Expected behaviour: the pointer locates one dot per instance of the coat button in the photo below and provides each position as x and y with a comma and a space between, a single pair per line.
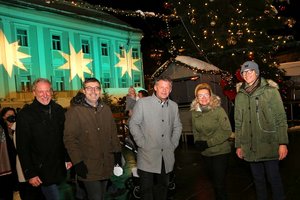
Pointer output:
162, 135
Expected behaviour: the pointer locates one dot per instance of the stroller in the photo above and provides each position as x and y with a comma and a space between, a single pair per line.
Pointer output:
132, 183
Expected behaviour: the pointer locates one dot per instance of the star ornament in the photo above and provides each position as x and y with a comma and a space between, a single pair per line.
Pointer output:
128, 63
76, 63
10, 56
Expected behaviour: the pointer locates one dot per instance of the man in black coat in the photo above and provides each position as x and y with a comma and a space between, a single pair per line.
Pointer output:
39, 139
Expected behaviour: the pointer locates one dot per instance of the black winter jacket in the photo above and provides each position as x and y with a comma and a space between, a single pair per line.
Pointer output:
40, 142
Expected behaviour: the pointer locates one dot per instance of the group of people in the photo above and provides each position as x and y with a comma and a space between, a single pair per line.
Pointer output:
49, 141
260, 134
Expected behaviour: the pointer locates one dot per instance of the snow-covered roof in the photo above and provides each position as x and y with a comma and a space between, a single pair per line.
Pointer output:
193, 62
291, 68
68, 8
185, 66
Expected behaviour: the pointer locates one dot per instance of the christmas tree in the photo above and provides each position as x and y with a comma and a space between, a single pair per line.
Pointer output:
227, 33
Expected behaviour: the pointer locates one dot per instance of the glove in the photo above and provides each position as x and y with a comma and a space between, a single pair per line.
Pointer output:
201, 145
81, 169
118, 158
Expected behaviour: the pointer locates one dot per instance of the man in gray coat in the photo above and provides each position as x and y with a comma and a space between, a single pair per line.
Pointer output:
156, 129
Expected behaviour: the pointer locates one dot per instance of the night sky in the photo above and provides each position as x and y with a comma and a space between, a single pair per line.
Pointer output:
151, 28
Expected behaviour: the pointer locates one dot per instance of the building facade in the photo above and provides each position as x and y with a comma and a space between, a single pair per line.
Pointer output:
65, 43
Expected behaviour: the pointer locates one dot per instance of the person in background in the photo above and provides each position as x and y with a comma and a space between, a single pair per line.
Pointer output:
142, 93
39, 141
261, 130
156, 128
91, 139
8, 174
131, 98
26, 191
8, 117
212, 129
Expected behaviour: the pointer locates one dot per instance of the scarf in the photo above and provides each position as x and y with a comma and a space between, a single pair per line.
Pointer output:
251, 88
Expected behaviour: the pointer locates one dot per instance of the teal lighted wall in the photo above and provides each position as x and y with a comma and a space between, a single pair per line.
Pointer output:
65, 49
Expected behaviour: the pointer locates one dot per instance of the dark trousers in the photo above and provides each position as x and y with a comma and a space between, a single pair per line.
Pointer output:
6, 187
28, 192
95, 189
269, 169
154, 186
216, 167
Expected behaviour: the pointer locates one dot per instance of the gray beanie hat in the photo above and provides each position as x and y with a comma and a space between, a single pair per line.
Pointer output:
250, 65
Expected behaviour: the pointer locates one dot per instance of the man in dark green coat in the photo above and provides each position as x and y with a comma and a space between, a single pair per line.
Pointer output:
261, 129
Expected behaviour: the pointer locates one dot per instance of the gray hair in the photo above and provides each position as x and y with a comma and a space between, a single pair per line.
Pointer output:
163, 78
39, 80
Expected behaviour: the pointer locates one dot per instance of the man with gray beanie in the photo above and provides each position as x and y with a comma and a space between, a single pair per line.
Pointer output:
250, 65
261, 130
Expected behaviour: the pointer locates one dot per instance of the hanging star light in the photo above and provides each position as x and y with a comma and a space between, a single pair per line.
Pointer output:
127, 63
10, 55
76, 63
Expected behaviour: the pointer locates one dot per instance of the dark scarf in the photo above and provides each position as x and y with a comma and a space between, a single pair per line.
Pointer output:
251, 88
45, 109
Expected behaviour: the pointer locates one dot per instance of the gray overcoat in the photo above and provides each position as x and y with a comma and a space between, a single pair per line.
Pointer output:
156, 129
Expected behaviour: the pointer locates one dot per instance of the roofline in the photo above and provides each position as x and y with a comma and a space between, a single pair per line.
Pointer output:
39, 7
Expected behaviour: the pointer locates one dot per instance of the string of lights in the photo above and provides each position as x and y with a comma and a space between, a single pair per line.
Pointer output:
127, 13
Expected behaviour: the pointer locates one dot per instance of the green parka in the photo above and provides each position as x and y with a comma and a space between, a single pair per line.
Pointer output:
260, 122
212, 126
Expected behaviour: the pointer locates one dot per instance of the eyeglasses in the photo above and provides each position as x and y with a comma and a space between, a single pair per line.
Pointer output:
203, 95
91, 89
249, 71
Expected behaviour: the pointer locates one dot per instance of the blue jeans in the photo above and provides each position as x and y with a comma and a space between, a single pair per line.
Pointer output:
95, 189
51, 192
270, 169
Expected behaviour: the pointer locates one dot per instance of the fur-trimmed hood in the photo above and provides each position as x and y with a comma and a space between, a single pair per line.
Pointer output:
268, 81
215, 102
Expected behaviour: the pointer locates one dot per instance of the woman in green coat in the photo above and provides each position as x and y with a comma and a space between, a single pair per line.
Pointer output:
211, 128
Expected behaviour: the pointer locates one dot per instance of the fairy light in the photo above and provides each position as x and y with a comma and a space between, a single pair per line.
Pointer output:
128, 13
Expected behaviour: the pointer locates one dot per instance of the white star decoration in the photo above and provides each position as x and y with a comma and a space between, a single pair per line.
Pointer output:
10, 56
127, 64
76, 63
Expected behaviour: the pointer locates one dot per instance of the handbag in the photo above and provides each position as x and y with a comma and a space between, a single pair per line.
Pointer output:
5, 167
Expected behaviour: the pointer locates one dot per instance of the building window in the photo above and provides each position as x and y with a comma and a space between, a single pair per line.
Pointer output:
106, 80
122, 52
137, 80
25, 83
104, 49
22, 37
59, 84
135, 53
85, 46
56, 42
124, 82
